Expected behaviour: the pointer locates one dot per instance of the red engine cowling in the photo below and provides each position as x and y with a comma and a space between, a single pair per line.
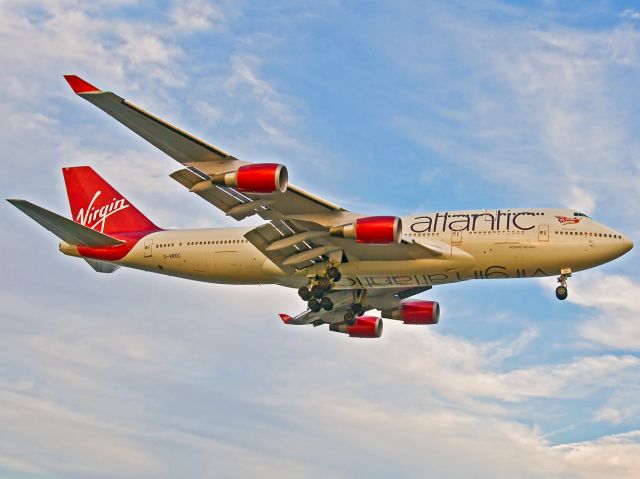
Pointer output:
415, 312
257, 178
365, 327
372, 229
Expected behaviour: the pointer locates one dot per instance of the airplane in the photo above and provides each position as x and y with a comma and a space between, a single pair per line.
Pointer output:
342, 263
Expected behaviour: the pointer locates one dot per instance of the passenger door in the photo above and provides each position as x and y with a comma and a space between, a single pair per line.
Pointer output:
543, 232
148, 248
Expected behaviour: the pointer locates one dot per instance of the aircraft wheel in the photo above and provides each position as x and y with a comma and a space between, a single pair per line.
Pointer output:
350, 318
325, 284
314, 305
326, 303
333, 273
304, 293
562, 292
317, 291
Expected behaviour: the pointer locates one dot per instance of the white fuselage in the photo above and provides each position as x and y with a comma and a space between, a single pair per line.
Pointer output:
481, 244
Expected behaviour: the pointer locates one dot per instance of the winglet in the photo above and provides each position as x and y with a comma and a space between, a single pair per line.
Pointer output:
78, 85
286, 319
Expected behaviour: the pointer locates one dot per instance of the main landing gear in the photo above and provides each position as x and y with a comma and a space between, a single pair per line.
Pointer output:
561, 291
351, 316
315, 293
356, 309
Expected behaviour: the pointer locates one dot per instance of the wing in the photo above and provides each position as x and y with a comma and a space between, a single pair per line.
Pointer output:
201, 160
297, 235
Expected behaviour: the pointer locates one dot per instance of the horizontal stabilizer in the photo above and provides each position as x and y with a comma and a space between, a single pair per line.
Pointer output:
65, 229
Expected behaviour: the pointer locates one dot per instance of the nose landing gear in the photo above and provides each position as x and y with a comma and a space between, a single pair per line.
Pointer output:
561, 291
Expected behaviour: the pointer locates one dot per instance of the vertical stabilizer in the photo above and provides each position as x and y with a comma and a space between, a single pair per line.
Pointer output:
97, 205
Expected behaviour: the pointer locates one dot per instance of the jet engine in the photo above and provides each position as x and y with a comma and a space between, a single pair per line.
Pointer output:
415, 312
365, 327
371, 229
257, 178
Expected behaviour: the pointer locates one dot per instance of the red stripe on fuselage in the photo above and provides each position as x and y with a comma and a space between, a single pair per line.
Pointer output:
115, 253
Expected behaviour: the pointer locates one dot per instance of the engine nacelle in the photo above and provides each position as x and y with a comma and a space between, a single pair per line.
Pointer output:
365, 327
257, 178
415, 312
372, 229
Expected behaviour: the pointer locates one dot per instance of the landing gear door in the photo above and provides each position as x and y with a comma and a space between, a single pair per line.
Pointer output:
148, 248
543, 232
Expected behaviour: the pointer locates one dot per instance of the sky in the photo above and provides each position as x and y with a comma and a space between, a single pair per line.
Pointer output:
384, 108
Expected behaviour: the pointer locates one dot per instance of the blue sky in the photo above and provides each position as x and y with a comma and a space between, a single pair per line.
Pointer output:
384, 108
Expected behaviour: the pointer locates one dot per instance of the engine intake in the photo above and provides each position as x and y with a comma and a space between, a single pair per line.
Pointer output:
365, 327
257, 178
415, 312
371, 229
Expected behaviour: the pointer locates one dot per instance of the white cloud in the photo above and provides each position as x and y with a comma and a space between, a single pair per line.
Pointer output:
196, 15
615, 309
549, 114
611, 456
632, 14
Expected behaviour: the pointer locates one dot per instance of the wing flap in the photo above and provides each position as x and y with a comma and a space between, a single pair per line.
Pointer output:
67, 230
221, 197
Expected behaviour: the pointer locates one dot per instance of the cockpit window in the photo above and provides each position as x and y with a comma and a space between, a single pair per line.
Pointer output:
576, 213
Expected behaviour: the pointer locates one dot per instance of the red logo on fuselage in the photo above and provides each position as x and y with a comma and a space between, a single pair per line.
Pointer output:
94, 217
568, 220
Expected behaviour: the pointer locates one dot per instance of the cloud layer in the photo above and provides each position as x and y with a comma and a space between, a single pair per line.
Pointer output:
131, 375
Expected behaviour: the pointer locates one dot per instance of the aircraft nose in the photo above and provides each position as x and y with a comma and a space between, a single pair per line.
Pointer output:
627, 244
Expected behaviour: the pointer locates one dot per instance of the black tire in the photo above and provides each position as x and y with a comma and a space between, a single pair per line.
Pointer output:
326, 303
333, 273
317, 291
325, 284
314, 305
562, 293
350, 318
357, 308
304, 293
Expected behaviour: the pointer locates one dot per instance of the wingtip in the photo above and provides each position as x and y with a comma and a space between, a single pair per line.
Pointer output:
285, 318
78, 85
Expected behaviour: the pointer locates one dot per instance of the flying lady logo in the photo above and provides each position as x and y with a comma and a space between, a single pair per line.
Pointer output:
95, 218
568, 220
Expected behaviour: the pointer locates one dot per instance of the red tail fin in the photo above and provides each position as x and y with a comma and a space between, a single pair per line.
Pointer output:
97, 205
